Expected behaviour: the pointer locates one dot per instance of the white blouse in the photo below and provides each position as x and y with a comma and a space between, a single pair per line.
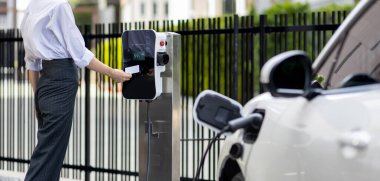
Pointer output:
49, 32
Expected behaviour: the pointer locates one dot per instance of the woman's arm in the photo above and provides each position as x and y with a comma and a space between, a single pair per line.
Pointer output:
115, 74
33, 78
96, 65
62, 24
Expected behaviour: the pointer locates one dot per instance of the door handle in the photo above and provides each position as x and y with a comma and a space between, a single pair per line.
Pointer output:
354, 142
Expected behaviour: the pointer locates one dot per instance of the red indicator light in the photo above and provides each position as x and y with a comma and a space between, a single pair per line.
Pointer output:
162, 43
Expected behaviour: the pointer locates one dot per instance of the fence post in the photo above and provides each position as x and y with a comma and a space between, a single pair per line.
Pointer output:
87, 32
263, 46
236, 56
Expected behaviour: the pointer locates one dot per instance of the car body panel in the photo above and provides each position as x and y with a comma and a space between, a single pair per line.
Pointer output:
299, 139
263, 101
305, 141
326, 121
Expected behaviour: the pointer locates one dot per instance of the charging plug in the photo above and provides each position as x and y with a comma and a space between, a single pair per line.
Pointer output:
243, 122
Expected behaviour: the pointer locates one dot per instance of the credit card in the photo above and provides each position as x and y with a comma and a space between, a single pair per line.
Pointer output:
133, 69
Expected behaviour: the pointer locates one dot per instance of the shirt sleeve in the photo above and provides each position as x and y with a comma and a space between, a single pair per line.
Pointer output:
32, 64
62, 23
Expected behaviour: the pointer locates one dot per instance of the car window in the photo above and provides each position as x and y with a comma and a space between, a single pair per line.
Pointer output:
359, 60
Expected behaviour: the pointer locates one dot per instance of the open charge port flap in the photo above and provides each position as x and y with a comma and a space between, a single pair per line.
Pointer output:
251, 133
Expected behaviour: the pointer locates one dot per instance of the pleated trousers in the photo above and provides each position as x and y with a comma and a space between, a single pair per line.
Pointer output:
54, 101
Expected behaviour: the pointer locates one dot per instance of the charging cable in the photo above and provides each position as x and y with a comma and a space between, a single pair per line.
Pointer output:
149, 137
233, 125
205, 153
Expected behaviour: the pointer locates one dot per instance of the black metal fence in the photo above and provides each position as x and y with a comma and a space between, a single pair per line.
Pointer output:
222, 54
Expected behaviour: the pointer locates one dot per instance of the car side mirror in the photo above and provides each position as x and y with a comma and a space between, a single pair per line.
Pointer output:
287, 74
214, 110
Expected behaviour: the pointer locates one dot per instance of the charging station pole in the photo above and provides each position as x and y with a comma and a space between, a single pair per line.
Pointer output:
165, 116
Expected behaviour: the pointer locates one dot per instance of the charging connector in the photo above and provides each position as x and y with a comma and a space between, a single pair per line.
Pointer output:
232, 126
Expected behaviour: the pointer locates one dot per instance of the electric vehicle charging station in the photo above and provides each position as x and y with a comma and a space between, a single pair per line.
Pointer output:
154, 60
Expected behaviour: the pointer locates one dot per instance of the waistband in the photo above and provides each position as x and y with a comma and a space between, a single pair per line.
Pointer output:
60, 59
59, 69
64, 62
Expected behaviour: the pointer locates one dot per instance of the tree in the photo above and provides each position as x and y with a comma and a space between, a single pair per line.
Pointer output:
287, 7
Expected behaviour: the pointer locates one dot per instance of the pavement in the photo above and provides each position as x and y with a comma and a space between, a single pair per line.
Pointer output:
17, 176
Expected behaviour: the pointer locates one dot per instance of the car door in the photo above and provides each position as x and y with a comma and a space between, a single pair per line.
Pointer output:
341, 126
335, 136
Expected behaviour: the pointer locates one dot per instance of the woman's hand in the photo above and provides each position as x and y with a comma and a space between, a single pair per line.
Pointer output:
120, 76
116, 74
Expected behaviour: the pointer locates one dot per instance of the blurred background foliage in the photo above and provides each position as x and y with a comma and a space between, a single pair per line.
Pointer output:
217, 67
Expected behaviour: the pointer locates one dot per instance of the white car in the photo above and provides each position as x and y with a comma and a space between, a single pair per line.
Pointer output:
325, 130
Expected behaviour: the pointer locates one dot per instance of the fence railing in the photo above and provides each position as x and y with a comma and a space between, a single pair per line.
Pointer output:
222, 54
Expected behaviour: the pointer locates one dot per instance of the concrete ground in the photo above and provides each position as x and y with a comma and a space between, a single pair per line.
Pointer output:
17, 176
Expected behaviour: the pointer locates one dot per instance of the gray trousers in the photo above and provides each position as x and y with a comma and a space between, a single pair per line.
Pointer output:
54, 99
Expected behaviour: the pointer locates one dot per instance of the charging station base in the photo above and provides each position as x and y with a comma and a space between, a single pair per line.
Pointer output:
165, 116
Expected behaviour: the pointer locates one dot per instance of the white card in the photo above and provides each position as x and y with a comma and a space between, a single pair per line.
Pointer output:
133, 69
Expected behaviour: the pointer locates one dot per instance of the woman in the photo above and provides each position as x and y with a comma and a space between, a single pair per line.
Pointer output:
54, 48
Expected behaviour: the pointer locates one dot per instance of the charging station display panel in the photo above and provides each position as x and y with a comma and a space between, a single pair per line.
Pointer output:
138, 58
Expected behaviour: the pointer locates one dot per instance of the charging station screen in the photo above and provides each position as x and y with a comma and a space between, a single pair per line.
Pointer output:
138, 54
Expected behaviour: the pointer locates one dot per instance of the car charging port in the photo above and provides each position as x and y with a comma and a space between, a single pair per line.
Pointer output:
251, 133
236, 151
